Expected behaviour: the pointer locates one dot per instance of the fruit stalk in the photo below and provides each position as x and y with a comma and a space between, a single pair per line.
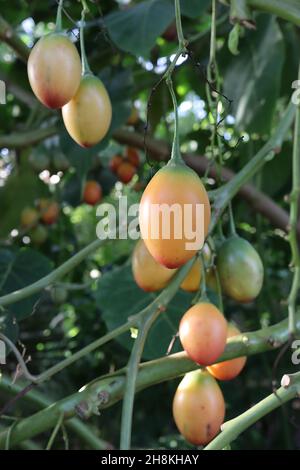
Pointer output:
294, 213
181, 40
146, 319
175, 154
58, 24
85, 65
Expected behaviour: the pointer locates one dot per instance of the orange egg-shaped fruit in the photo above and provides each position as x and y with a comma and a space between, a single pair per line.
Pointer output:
170, 215
54, 70
192, 281
148, 273
198, 407
228, 370
87, 116
92, 192
203, 333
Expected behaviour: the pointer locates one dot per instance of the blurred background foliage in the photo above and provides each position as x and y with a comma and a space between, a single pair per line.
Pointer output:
128, 45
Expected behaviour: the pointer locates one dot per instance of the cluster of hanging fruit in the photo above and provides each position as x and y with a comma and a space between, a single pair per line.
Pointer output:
59, 79
199, 406
125, 166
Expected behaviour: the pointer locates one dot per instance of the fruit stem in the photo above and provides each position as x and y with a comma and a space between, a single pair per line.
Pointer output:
201, 295
181, 40
219, 289
231, 220
58, 24
175, 154
85, 65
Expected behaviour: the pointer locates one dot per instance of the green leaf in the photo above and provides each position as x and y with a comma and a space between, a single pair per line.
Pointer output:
19, 269
252, 79
119, 297
193, 8
135, 29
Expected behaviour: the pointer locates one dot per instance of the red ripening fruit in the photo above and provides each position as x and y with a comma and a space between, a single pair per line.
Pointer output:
175, 185
133, 156
87, 116
198, 407
92, 192
54, 70
115, 162
49, 211
203, 333
126, 172
228, 370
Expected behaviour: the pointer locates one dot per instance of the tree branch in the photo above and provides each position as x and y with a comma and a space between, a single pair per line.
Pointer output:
107, 390
38, 400
10, 37
232, 429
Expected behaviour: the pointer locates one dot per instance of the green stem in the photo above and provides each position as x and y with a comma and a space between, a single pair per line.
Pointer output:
129, 391
150, 373
163, 299
212, 51
181, 39
71, 359
85, 65
58, 273
231, 220
58, 24
175, 154
38, 400
233, 428
55, 432
137, 351
219, 289
294, 211
201, 295
286, 9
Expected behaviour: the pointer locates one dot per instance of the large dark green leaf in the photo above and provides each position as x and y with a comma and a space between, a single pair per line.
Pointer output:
19, 269
193, 8
253, 77
119, 297
135, 29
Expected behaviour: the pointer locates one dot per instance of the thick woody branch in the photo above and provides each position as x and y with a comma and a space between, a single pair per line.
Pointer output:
107, 390
8, 35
